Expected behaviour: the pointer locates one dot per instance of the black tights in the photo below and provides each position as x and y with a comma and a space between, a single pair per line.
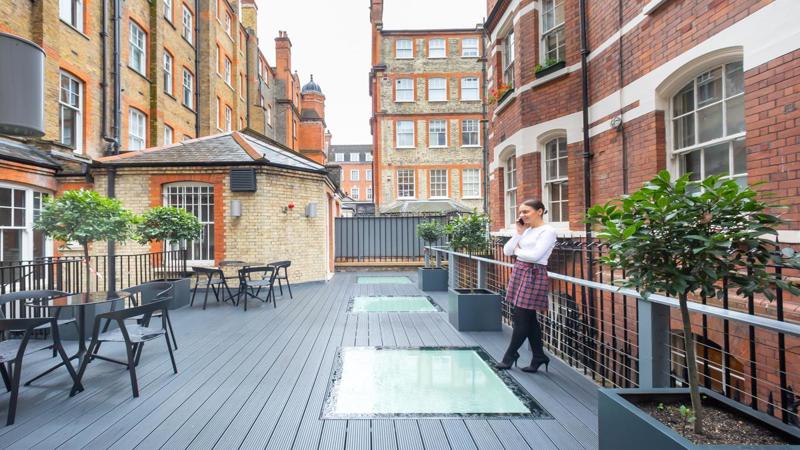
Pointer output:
525, 326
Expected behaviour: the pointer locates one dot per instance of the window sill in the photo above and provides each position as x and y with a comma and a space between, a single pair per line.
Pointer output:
437, 146
404, 58
437, 101
75, 30
438, 198
170, 96
406, 198
471, 198
187, 41
437, 57
189, 108
170, 23
404, 101
470, 56
472, 146
405, 148
470, 100
139, 73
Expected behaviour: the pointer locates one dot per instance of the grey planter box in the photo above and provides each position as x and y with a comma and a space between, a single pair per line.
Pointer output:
434, 279
182, 292
474, 310
623, 426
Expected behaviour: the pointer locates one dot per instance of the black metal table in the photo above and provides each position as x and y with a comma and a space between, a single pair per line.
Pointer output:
79, 302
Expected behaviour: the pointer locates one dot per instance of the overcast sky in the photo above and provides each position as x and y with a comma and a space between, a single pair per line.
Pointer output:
331, 40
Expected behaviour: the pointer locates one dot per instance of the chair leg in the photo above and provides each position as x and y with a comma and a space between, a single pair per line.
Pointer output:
129, 348
272, 294
171, 355
280, 286
137, 349
6, 378
60, 348
12, 405
172, 333
86, 358
205, 299
194, 292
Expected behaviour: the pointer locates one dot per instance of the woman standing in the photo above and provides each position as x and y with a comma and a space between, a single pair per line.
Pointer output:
528, 286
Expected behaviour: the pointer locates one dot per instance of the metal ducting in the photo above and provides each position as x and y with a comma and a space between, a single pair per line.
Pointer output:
21, 87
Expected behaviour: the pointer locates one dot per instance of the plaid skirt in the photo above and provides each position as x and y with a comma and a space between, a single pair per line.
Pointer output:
528, 286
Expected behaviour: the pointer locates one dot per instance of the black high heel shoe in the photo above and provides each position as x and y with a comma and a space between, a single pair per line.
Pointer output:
507, 365
535, 365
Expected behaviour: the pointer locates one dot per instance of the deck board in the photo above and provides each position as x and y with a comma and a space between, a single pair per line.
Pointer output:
258, 380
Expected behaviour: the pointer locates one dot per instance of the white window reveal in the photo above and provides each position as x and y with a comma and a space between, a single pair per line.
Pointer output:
338, 157
71, 112
197, 199
188, 88
404, 90
368, 175
508, 59
405, 184
369, 193
470, 133
137, 52
355, 175
437, 90
405, 134
168, 135
708, 125
168, 80
228, 117
19, 209
404, 49
168, 10
137, 129
355, 194
556, 180
355, 157
438, 183
471, 183
437, 133
188, 23
469, 48
436, 48
368, 157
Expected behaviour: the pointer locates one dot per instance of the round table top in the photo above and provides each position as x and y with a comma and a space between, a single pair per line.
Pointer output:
80, 299
239, 264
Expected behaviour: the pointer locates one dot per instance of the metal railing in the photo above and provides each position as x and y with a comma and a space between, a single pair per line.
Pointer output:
381, 239
68, 273
747, 348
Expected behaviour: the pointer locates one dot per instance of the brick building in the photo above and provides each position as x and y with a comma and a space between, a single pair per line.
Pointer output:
426, 88
356, 176
705, 87
126, 76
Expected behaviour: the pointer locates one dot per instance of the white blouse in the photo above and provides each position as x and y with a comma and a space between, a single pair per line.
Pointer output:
534, 245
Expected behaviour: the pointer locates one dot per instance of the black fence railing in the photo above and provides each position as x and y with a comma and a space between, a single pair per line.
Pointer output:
381, 239
68, 273
595, 328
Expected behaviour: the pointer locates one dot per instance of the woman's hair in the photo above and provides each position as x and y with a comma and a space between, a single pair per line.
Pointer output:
536, 204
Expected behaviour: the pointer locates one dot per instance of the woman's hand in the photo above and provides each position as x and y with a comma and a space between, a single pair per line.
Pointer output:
521, 227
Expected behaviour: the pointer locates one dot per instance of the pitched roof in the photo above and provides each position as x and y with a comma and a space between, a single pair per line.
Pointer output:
227, 149
27, 154
425, 207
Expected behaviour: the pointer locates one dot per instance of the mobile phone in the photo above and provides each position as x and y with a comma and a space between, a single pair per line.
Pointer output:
519, 221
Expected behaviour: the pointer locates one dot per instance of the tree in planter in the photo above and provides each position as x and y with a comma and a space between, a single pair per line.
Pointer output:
469, 233
681, 237
430, 232
166, 223
85, 217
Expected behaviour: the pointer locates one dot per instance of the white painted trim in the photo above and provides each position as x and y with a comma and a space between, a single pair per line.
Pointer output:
652, 6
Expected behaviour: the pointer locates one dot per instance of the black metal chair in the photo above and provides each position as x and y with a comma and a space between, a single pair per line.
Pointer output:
13, 350
47, 312
278, 277
210, 278
146, 293
248, 284
133, 336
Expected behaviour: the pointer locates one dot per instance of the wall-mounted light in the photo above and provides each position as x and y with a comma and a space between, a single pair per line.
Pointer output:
236, 208
311, 210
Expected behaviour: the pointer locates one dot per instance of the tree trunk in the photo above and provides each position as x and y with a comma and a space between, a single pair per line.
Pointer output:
88, 269
691, 364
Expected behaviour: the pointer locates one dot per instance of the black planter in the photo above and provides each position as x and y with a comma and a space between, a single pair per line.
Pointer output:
432, 279
550, 69
474, 310
623, 426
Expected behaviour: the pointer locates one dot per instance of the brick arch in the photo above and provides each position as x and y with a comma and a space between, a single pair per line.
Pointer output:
157, 183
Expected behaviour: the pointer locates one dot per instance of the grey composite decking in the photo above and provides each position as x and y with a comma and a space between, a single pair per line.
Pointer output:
257, 379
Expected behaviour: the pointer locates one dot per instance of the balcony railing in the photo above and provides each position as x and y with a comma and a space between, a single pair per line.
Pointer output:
747, 348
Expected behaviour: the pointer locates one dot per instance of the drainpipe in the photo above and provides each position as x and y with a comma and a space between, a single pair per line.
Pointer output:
111, 178
247, 74
197, 68
621, 126
484, 120
103, 70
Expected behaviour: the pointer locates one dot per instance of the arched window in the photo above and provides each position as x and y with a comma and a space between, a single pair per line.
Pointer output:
707, 123
556, 192
511, 189
198, 199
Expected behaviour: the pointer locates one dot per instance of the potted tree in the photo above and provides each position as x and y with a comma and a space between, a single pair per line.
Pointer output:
85, 217
681, 238
429, 277
472, 308
174, 226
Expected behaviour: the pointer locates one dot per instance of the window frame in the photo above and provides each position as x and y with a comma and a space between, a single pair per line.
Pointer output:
355, 175
412, 133
464, 183
188, 88
134, 49
188, 28
677, 155
32, 204
168, 10
443, 48
169, 74
355, 157
411, 185
510, 192
477, 133
171, 134
443, 132
507, 61
368, 174
355, 193
476, 89
556, 30
397, 49
228, 69
138, 118
440, 183
440, 91
71, 12
202, 191
464, 48
338, 157
558, 210
228, 118
77, 110
369, 194
410, 90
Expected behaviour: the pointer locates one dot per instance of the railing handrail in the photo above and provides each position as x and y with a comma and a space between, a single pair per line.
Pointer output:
736, 316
